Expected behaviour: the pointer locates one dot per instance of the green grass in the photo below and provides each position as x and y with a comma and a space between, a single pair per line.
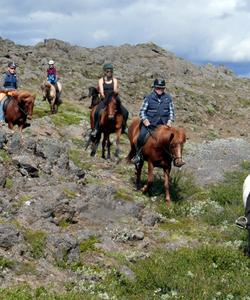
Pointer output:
4, 156
25, 292
207, 272
36, 241
89, 244
5, 263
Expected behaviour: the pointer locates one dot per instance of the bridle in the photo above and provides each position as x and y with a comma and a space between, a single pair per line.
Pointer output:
165, 150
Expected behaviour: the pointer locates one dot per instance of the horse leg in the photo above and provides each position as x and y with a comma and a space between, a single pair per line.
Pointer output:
95, 144
104, 143
118, 135
166, 185
138, 174
150, 179
108, 147
10, 125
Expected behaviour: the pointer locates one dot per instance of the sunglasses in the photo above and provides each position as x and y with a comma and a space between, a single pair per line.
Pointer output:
12, 68
108, 71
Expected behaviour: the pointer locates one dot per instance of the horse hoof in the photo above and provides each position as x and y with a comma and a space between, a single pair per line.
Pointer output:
92, 153
144, 189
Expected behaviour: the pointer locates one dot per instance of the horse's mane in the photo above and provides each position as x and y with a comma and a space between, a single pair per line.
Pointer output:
164, 134
25, 96
109, 97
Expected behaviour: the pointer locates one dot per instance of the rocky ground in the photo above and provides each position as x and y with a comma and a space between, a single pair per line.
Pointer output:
61, 209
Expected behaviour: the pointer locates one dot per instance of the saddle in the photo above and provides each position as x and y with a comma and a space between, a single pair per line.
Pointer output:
6, 100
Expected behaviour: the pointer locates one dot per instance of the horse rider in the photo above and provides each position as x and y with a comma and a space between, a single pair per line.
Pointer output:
157, 109
108, 83
52, 76
10, 82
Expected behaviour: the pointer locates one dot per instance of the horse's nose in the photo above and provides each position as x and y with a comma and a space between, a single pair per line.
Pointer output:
178, 162
111, 117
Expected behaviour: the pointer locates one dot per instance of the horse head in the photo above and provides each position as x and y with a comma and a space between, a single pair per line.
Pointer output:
93, 91
46, 87
94, 94
25, 102
172, 140
111, 103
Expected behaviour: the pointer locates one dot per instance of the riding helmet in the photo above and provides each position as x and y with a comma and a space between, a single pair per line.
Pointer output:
11, 64
51, 62
108, 67
159, 83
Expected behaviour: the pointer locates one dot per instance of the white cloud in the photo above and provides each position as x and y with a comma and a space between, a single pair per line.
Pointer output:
195, 29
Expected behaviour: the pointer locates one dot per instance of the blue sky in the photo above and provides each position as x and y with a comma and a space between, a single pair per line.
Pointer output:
197, 30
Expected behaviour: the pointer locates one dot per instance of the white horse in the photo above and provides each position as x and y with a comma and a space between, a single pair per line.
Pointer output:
52, 95
244, 221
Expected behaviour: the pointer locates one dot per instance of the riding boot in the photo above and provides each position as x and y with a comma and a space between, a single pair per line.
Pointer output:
138, 156
141, 140
125, 114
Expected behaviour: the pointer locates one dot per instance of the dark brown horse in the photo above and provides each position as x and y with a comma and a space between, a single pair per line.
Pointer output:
162, 147
18, 107
95, 96
110, 122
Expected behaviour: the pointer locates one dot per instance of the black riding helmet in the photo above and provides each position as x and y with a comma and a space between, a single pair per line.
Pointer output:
159, 83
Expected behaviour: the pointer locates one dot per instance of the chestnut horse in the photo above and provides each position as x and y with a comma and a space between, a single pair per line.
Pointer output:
110, 122
18, 106
49, 92
162, 147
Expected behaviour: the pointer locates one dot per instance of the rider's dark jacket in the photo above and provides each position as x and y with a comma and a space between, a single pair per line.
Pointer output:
10, 81
158, 109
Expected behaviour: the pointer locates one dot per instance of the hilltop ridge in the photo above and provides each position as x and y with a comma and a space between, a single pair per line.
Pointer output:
208, 99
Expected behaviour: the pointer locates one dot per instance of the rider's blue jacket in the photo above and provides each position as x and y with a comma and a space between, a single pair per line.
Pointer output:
158, 109
10, 81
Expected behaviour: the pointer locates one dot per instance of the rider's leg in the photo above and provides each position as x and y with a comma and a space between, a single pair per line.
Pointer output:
139, 144
1, 113
125, 114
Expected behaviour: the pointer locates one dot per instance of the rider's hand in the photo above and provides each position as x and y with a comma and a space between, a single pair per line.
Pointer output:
146, 122
169, 124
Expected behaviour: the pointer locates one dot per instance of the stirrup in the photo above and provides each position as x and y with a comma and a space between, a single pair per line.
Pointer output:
136, 160
241, 222
94, 133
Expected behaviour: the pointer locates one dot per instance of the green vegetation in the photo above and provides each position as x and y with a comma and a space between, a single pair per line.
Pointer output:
9, 183
36, 240
79, 159
25, 292
69, 194
89, 244
5, 263
206, 272
4, 156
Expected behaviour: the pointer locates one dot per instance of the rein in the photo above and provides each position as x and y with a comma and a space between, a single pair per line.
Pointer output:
22, 110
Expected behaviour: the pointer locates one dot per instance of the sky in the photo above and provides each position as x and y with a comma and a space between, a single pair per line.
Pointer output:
201, 31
